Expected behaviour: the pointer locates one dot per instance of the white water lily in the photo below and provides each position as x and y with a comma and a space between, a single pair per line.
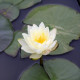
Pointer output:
39, 40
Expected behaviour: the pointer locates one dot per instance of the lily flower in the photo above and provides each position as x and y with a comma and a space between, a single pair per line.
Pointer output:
38, 41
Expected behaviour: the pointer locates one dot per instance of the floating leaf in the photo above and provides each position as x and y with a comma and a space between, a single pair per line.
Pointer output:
12, 50
61, 69
24, 54
27, 3
24, 29
9, 11
11, 1
55, 69
66, 20
6, 33
36, 72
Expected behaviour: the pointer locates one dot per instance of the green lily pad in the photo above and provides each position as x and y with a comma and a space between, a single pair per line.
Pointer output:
13, 48
24, 29
36, 72
66, 20
24, 54
6, 33
11, 1
27, 3
55, 69
8, 10
61, 69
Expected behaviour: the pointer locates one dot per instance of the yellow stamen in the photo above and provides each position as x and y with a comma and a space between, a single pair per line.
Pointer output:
41, 38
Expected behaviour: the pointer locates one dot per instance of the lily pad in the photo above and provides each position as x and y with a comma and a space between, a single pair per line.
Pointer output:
55, 69
13, 48
61, 69
6, 33
11, 1
66, 20
27, 3
8, 10
36, 72
24, 54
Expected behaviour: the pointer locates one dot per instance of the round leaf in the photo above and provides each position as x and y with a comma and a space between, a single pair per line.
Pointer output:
9, 11
66, 20
13, 48
36, 72
27, 3
6, 33
61, 69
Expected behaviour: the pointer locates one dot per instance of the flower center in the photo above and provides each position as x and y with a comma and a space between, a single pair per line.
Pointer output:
41, 38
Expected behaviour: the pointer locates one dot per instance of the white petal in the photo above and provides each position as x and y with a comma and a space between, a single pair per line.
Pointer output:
47, 29
48, 42
42, 26
53, 34
41, 49
44, 47
27, 39
29, 28
46, 52
25, 36
35, 26
35, 56
38, 51
47, 32
53, 45
32, 45
25, 47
